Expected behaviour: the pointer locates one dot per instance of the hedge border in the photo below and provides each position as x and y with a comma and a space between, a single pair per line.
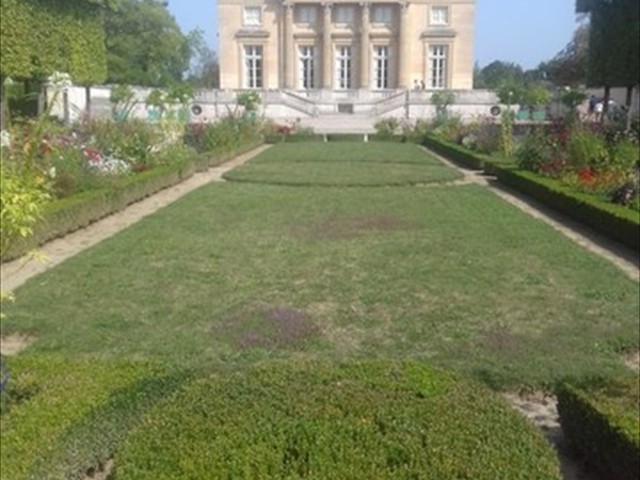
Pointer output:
455, 153
616, 222
295, 138
599, 432
312, 420
67, 215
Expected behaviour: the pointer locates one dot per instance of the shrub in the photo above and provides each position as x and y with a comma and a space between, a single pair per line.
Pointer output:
535, 151
387, 127
603, 425
586, 149
22, 199
67, 417
374, 420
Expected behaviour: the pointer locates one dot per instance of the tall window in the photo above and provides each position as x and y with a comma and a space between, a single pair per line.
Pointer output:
439, 16
253, 66
306, 13
345, 14
382, 14
307, 67
381, 67
252, 16
438, 66
343, 67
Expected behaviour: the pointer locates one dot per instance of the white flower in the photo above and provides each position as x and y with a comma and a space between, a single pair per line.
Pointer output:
5, 139
60, 80
52, 172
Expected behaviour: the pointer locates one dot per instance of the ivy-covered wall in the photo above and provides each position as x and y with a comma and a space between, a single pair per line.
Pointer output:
38, 37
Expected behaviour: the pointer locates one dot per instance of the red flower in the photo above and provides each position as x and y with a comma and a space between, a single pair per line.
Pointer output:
587, 176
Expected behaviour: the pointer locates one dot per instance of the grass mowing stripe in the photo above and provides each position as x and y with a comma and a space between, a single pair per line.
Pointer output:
346, 152
454, 275
342, 174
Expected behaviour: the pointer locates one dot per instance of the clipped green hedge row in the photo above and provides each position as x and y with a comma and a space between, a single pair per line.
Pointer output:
66, 417
455, 153
345, 137
379, 420
73, 213
614, 221
603, 426
295, 138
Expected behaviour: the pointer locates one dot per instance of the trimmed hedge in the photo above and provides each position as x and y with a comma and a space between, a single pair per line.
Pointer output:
455, 153
381, 137
377, 420
345, 137
73, 213
295, 138
603, 426
65, 417
614, 221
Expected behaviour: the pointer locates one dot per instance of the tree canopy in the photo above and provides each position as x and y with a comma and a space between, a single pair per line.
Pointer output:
38, 37
145, 45
498, 73
614, 50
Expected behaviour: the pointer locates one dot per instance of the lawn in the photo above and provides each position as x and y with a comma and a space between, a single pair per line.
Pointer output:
235, 275
334, 164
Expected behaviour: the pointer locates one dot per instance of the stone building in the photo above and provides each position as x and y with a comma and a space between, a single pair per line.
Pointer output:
340, 45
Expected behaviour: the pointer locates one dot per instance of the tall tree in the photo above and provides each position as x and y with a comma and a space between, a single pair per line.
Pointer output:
145, 45
205, 68
569, 66
497, 73
614, 50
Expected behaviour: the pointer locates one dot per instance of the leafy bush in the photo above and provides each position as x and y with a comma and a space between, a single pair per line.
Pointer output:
535, 151
586, 149
387, 127
603, 425
224, 135
67, 417
22, 198
374, 420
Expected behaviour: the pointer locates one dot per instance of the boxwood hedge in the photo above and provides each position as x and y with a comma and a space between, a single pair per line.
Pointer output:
603, 425
363, 421
64, 418
614, 221
455, 153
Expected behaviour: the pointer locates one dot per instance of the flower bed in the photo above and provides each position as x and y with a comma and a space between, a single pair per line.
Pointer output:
66, 215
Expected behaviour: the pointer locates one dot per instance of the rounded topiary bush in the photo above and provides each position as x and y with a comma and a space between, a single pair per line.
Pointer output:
364, 421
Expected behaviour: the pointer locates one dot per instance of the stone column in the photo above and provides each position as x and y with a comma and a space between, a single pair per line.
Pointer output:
365, 54
289, 81
326, 47
404, 47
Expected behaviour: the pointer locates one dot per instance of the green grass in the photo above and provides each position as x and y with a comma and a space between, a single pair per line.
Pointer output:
237, 274
344, 164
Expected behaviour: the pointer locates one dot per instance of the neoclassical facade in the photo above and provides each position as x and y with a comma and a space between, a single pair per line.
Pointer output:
374, 45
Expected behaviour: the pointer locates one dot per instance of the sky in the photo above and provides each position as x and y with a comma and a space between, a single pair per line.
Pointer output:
526, 32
